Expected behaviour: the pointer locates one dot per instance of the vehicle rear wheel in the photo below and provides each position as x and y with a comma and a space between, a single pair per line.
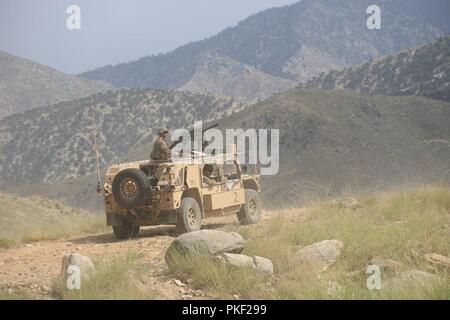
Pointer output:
131, 188
126, 230
189, 216
250, 212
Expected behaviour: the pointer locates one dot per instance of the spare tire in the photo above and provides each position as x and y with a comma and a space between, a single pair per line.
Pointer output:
131, 188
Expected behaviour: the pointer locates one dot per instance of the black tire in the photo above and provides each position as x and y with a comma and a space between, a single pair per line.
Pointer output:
131, 188
126, 230
250, 212
189, 216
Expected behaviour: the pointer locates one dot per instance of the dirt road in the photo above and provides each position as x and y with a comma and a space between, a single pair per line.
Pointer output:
32, 268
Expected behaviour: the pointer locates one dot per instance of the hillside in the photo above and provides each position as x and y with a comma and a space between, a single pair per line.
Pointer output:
335, 142
220, 74
295, 42
29, 219
55, 142
434, 12
331, 143
421, 71
25, 85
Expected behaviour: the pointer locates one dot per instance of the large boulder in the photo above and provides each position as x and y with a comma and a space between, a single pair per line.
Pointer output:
237, 260
85, 265
243, 261
207, 242
263, 264
410, 279
388, 265
438, 259
320, 255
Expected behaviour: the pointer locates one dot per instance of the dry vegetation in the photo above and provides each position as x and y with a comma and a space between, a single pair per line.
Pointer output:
402, 226
24, 220
118, 277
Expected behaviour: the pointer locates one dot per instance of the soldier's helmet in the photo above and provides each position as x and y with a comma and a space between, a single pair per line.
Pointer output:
162, 130
207, 168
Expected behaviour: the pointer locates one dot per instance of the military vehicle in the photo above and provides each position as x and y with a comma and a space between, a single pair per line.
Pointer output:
180, 193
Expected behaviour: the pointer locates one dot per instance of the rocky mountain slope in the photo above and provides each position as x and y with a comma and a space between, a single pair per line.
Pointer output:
220, 74
55, 142
333, 142
295, 42
26, 85
434, 12
421, 71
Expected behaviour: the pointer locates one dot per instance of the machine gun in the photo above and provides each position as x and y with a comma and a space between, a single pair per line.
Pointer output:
205, 143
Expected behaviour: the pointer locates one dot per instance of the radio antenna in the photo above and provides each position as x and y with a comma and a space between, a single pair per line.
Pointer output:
94, 128
253, 127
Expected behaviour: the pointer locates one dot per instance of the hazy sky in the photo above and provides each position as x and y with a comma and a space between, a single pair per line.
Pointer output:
114, 31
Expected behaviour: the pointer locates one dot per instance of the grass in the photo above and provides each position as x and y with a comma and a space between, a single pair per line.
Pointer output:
117, 277
24, 220
217, 278
402, 225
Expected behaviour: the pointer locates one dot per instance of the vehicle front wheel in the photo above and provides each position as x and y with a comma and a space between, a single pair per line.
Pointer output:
250, 212
126, 231
189, 216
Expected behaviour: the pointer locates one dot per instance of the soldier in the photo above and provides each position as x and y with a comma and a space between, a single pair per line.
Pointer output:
210, 174
160, 149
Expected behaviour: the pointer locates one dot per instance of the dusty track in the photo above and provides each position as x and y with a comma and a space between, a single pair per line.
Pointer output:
32, 268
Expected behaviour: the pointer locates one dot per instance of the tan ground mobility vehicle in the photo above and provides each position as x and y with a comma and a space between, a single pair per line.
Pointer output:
148, 193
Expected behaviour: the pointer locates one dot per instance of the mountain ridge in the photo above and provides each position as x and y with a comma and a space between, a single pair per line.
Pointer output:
421, 71
283, 42
55, 142
25, 85
330, 142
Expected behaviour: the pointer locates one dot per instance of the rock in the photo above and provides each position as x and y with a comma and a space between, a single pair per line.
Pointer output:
210, 242
178, 283
417, 275
46, 289
198, 293
388, 264
237, 260
320, 255
438, 259
408, 278
243, 261
87, 269
335, 290
347, 203
263, 264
